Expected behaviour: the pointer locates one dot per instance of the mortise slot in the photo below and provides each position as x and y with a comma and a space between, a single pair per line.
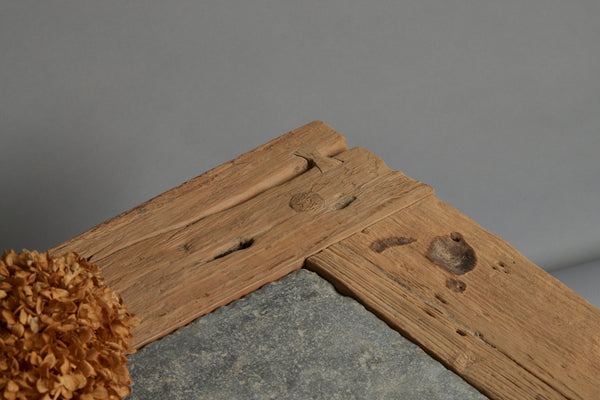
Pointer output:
241, 245
310, 163
315, 159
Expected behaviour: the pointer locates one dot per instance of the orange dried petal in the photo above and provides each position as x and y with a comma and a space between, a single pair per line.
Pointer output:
69, 382
12, 386
28, 290
17, 330
65, 367
10, 395
81, 380
4, 269
100, 392
8, 258
8, 317
42, 385
122, 391
86, 368
49, 360
34, 324
58, 293
23, 316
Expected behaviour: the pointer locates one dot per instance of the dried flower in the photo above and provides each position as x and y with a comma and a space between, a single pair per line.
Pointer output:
63, 333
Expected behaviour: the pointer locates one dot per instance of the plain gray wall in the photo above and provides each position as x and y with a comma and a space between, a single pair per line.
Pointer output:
496, 104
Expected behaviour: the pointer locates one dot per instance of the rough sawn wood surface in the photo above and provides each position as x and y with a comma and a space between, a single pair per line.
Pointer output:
465, 296
507, 327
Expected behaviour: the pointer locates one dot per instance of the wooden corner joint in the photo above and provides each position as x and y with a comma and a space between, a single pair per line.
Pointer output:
315, 159
463, 294
196, 260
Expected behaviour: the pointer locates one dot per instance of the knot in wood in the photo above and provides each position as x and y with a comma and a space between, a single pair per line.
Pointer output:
306, 201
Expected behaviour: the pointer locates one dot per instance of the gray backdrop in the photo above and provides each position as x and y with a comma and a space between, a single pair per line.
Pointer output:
496, 104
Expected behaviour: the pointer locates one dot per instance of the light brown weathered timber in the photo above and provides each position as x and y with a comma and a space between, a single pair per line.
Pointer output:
177, 273
216, 190
109, 244
506, 326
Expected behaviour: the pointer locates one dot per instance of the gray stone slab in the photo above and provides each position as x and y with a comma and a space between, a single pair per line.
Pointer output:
296, 338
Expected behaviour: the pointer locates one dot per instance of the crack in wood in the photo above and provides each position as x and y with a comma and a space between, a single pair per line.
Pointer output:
241, 245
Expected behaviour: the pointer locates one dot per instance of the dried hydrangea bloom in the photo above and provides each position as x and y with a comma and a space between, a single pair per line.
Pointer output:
63, 334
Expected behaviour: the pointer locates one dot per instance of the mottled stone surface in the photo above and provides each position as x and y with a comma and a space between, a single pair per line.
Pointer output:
296, 338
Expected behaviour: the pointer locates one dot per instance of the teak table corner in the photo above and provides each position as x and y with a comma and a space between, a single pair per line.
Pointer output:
464, 295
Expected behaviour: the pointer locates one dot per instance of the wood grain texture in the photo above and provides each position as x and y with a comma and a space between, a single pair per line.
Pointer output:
506, 326
216, 190
465, 295
175, 270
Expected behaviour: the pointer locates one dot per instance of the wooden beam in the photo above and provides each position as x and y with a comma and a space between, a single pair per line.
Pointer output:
216, 190
170, 272
472, 301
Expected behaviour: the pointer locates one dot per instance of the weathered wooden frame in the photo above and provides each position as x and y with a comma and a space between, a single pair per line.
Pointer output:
464, 295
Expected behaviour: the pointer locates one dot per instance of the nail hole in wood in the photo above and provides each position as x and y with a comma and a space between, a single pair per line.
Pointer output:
501, 266
457, 237
381, 244
184, 247
455, 285
461, 332
241, 245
